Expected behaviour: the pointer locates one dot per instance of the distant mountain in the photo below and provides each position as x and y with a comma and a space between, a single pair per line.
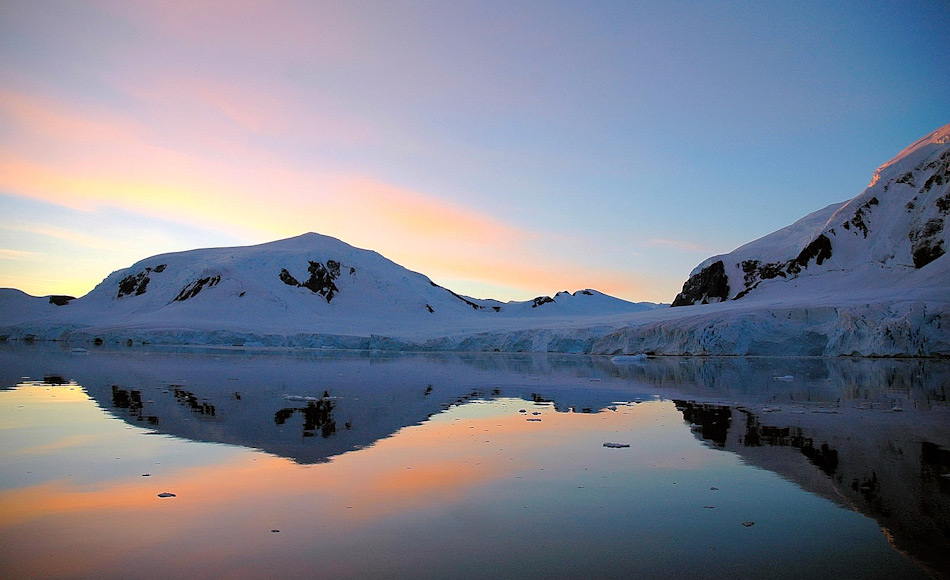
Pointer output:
306, 284
17, 306
894, 234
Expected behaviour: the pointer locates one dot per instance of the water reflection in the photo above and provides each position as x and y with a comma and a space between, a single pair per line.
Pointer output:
386, 447
875, 462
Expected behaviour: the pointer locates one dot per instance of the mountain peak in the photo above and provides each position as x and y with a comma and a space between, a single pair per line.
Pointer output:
913, 154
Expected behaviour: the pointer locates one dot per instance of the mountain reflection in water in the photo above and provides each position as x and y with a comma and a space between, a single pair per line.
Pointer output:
869, 435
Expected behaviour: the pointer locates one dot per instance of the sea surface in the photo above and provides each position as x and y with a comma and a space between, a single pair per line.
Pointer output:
149, 462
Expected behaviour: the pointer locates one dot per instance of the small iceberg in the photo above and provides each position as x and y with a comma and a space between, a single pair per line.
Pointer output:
628, 359
301, 399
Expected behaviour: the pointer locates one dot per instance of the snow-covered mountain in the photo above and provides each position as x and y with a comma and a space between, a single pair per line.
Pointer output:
892, 235
306, 284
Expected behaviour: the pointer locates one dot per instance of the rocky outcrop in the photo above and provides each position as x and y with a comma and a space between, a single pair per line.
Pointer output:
926, 242
754, 271
192, 289
708, 285
321, 280
858, 221
136, 284
540, 300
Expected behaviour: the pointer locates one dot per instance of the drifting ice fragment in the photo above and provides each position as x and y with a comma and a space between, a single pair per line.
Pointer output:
628, 359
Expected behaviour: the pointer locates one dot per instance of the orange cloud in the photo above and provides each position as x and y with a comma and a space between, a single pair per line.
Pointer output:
40, 118
17, 255
87, 160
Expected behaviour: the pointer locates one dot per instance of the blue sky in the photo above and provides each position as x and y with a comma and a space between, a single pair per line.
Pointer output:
505, 149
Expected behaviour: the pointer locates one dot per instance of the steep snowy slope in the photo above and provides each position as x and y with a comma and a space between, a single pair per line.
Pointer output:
894, 234
307, 284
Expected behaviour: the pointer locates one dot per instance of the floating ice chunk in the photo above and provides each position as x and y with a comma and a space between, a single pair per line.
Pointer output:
616, 445
306, 399
301, 398
628, 359
784, 378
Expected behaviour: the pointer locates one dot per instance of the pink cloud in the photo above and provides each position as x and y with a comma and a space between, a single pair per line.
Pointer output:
253, 26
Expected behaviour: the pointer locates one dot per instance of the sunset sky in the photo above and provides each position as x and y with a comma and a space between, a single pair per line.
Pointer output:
505, 149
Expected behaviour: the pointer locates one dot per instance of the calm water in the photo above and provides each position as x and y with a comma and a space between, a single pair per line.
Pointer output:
357, 465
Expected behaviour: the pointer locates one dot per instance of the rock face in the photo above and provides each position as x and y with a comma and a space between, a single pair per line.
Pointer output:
893, 230
321, 278
708, 285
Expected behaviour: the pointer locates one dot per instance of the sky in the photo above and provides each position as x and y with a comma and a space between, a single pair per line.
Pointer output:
505, 149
